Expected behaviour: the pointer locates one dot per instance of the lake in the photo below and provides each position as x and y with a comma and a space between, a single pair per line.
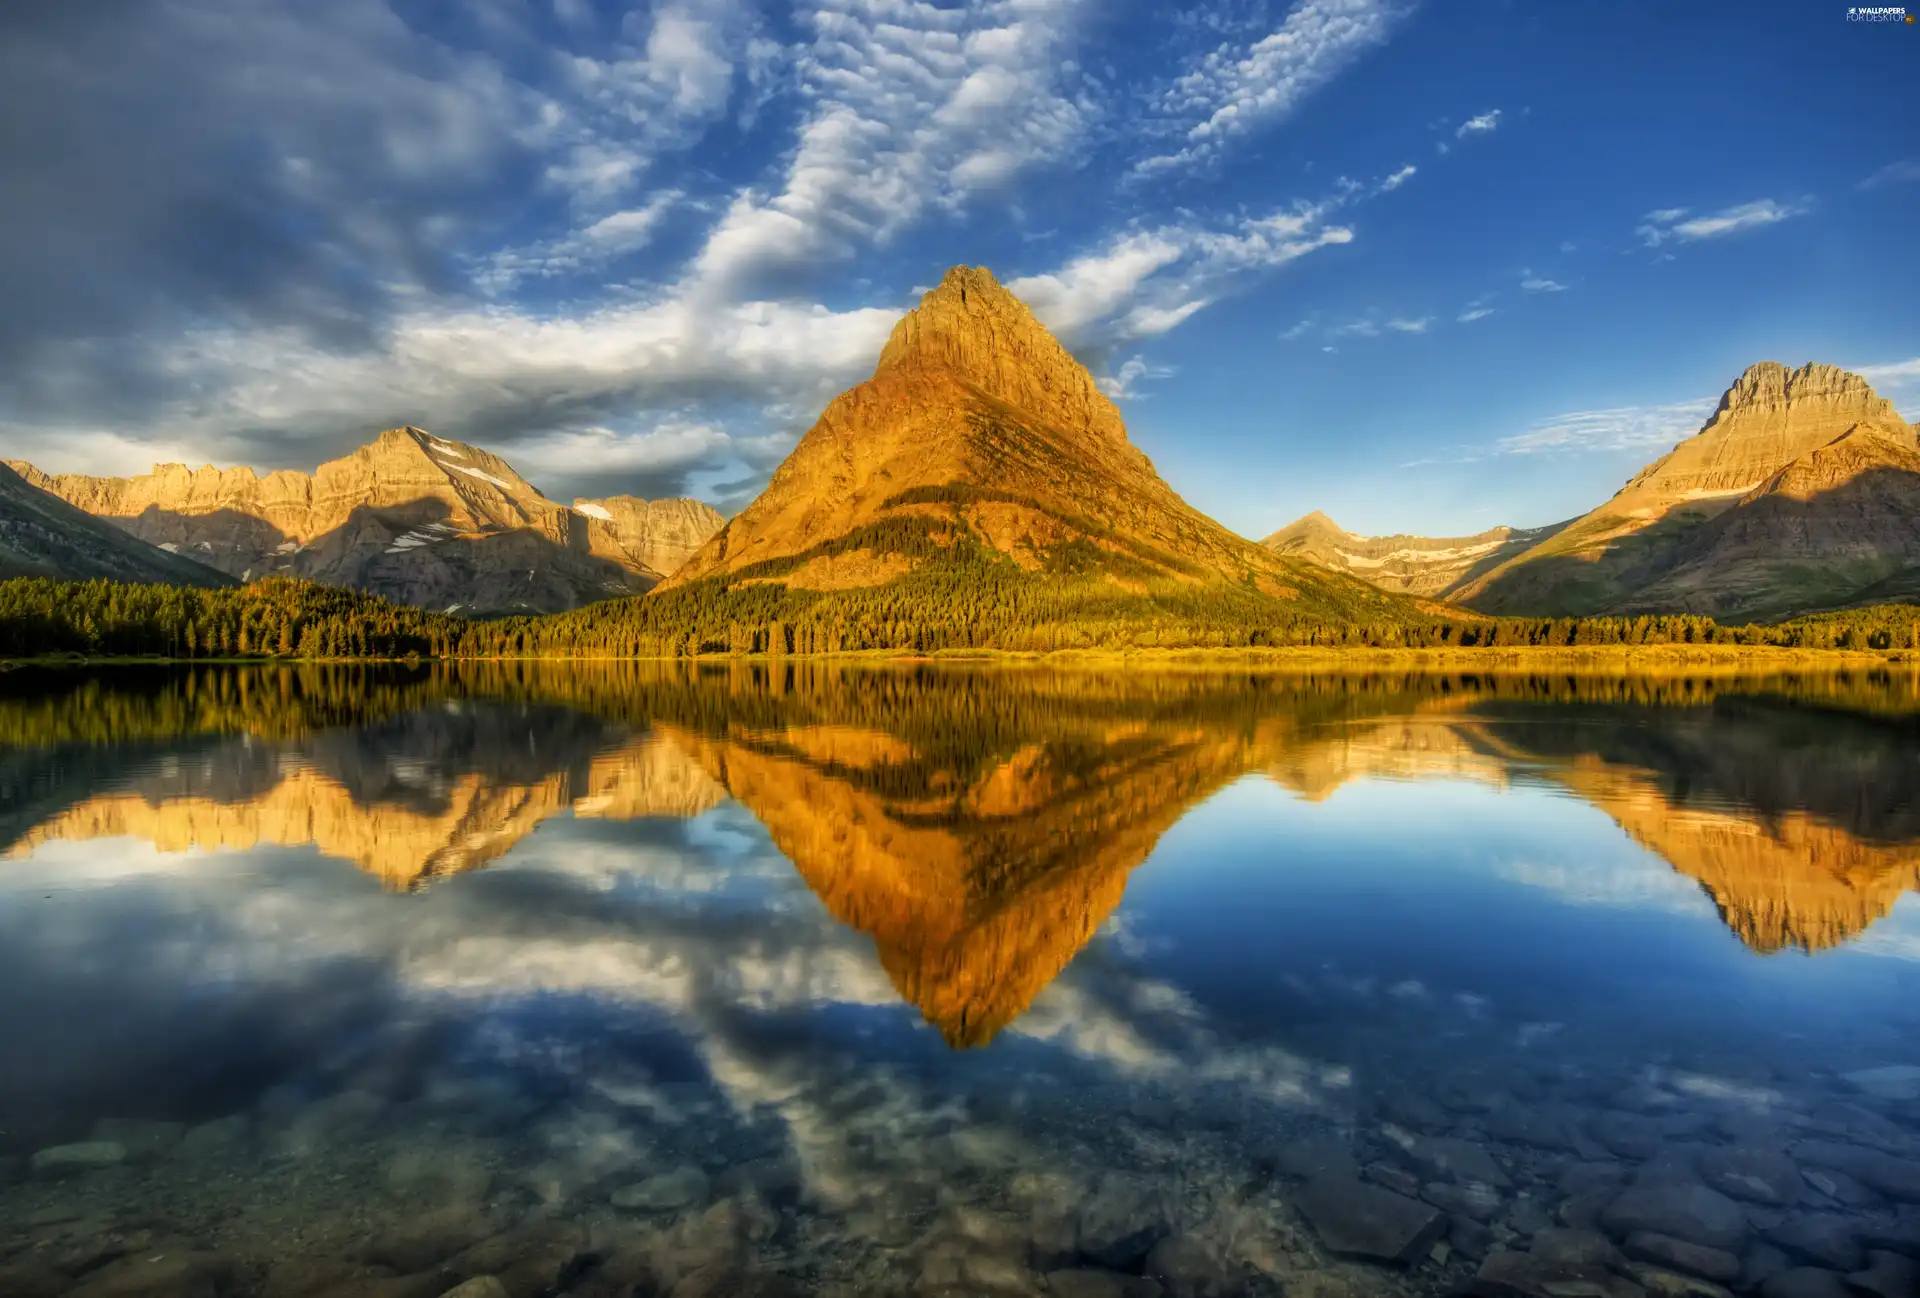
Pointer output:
790, 979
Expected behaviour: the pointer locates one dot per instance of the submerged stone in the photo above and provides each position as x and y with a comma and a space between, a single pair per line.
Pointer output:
1893, 1082
1887, 1275
663, 1193
1354, 1219
1683, 1209
1806, 1282
82, 1156
1756, 1175
1679, 1255
1523, 1275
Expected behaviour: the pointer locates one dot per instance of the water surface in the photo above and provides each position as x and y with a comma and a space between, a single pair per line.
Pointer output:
631, 980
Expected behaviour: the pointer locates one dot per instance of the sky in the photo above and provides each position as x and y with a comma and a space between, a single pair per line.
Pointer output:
1427, 267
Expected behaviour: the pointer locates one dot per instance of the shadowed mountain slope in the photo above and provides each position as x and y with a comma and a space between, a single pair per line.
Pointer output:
1801, 492
43, 536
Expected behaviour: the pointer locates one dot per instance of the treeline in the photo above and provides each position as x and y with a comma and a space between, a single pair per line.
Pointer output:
278, 617
943, 608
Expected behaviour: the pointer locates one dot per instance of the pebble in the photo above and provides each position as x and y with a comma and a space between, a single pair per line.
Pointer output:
1577, 1248
85, 1156
1121, 1222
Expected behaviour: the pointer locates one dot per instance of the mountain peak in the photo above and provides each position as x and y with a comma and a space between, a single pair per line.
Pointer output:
973, 327
1769, 385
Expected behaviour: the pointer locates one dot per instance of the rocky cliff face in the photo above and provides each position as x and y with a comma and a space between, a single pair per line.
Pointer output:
44, 536
978, 427
410, 516
1791, 497
1409, 565
658, 535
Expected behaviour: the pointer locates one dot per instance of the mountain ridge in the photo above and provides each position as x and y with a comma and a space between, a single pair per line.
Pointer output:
1404, 562
42, 535
1800, 493
411, 516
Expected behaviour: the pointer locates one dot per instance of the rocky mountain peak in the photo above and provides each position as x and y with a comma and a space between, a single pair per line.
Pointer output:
1769, 386
973, 327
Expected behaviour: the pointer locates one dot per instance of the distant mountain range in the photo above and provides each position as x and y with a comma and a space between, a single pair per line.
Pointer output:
413, 517
982, 474
1801, 493
43, 536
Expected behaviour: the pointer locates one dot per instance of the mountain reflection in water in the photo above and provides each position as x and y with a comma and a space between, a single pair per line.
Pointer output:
614, 981
978, 825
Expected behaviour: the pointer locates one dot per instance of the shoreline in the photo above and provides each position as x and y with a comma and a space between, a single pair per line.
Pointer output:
1503, 657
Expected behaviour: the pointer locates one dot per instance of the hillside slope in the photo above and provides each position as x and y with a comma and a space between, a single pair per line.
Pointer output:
410, 516
1797, 494
43, 536
1410, 565
981, 454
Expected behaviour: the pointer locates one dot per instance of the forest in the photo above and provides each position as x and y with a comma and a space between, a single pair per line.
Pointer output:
941, 608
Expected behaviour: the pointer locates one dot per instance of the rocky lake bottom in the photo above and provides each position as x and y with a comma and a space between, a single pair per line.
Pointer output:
502, 1000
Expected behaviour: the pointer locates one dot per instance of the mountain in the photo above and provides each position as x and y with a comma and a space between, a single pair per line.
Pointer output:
981, 451
1801, 492
410, 516
1411, 565
658, 535
42, 535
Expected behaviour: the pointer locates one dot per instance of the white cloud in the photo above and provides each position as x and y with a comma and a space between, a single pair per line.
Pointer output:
1237, 87
1892, 374
1485, 124
1539, 284
1398, 179
1474, 313
612, 236
1902, 172
1622, 428
1410, 326
1667, 223
1144, 283
1125, 382
912, 107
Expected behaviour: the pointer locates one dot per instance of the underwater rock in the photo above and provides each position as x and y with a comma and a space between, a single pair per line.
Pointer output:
1683, 1209
82, 1156
1354, 1219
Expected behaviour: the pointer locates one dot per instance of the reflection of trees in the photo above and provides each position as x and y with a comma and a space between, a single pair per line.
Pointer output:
979, 823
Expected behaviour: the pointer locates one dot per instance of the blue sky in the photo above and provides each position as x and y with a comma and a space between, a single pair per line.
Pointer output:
1427, 267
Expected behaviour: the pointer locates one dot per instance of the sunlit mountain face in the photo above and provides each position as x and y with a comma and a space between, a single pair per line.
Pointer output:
876, 977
